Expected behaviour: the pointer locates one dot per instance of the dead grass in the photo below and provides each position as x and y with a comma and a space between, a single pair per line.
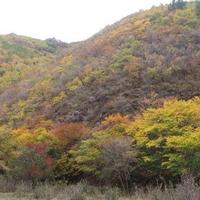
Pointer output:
186, 190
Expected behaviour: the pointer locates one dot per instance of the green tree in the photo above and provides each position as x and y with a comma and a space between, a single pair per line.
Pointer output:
197, 8
168, 138
177, 4
109, 155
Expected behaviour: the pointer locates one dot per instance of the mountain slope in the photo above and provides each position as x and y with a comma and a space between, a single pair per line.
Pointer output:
24, 62
129, 66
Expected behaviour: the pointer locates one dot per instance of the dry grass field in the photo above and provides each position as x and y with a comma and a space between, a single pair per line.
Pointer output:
186, 190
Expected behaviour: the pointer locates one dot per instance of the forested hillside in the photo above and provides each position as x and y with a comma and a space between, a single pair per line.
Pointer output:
25, 64
128, 66
129, 93
125, 68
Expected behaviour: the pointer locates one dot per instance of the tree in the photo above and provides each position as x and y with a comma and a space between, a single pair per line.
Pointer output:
177, 4
69, 134
119, 160
34, 153
2, 71
197, 8
168, 138
113, 120
173, 5
108, 155
180, 4
32, 164
6, 148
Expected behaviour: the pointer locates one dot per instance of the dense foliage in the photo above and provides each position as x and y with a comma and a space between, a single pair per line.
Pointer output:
125, 68
122, 106
133, 64
161, 142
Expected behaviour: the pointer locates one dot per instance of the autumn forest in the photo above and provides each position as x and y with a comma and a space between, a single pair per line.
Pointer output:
119, 109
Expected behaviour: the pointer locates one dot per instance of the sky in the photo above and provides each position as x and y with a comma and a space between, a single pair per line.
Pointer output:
66, 20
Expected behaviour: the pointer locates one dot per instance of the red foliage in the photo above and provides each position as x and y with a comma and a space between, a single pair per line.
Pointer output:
70, 133
49, 162
36, 172
40, 148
